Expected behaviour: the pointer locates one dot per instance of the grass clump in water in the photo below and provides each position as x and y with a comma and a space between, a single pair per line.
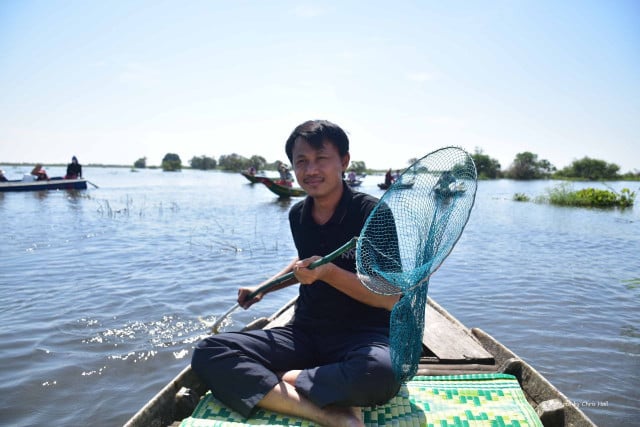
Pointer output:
520, 197
563, 195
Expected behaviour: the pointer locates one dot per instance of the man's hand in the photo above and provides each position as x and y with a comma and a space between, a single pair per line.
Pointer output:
244, 301
305, 275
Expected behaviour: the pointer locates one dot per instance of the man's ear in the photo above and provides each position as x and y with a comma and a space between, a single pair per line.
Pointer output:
345, 162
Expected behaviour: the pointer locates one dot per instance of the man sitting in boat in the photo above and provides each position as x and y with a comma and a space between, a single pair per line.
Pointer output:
334, 354
2, 177
286, 178
388, 179
74, 169
39, 172
445, 181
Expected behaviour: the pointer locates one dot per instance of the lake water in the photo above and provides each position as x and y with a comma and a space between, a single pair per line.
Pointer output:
101, 289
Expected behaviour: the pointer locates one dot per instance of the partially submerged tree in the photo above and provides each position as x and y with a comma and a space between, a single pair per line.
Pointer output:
257, 162
203, 163
527, 166
171, 163
590, 169
358, 167
487, 167
233, 162
141, 163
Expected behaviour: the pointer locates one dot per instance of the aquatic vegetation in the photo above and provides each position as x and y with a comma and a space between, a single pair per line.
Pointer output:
520, 197
140, 209
632, 283
564, 195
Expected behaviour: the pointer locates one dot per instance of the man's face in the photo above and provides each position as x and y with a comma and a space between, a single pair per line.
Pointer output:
318, 171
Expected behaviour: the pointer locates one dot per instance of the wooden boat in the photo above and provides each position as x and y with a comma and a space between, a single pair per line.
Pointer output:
354, 183
282, 190
55, 183
449, 348
252, 178
402, 185
450, 190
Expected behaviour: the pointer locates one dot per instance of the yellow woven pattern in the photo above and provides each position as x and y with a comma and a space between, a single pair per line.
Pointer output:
460, 401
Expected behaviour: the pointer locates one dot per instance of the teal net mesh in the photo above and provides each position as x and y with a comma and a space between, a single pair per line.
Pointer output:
407, 237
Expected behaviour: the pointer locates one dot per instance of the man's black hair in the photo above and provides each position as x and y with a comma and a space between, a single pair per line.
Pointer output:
315, 132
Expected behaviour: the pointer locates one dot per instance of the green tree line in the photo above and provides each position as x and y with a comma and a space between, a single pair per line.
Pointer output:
525, 166
227, 162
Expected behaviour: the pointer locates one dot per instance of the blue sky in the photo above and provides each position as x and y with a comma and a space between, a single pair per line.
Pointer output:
113, 81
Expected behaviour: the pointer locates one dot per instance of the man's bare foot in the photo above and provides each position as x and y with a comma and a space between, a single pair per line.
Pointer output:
340, 416
289, 376
329, 416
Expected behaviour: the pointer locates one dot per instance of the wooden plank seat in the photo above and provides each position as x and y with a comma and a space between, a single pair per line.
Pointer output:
449, 348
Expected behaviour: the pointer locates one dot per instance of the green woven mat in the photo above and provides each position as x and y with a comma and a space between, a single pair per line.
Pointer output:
446, 401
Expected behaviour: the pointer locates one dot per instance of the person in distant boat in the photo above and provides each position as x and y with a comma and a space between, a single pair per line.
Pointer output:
74, 169
351, 178
334, 355
281, 170
396, 176
286, 178
2, 177
252, 171
445, 180
388, 179
39, 172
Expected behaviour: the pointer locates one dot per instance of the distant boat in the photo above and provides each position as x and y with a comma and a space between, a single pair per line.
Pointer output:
252, 178
282, 190
354, 183
451, 189
55, 183
402, 185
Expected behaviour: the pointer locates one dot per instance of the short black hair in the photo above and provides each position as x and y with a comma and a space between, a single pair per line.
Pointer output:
315, 132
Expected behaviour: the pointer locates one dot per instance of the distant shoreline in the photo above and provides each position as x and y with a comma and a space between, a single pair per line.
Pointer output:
369, 171
98, 165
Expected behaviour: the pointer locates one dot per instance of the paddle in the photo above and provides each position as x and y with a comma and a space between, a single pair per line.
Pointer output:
92, 184
275, 282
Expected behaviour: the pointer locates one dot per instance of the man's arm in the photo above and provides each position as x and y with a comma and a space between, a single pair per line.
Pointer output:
342, 280
244, 292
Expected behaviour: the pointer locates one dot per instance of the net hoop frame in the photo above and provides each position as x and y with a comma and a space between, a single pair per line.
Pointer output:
401, 185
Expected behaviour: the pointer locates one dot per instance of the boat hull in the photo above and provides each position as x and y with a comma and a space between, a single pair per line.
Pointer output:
254, 179
403, 186
281, 190
52, 184
449, 349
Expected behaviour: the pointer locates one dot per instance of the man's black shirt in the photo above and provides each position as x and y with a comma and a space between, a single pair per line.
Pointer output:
319, 304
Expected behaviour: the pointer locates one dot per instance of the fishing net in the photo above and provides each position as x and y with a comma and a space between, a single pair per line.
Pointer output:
406, 238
